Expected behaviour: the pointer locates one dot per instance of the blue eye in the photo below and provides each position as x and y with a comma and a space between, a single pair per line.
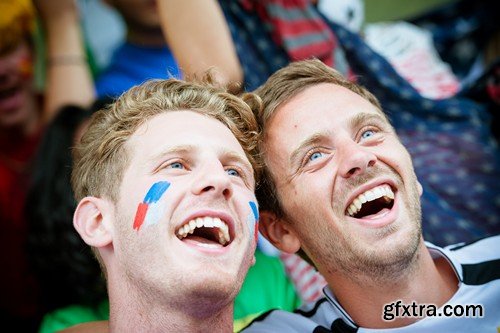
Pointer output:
233, 172
315, 156
367, 134
176, 165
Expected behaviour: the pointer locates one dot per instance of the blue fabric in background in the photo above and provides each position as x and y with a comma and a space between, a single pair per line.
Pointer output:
132, 65
259, 55
461, 30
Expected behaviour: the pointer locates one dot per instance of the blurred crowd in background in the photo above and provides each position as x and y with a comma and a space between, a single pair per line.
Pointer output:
435, 69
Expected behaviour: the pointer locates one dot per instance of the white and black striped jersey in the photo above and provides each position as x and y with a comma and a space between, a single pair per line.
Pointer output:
477, 266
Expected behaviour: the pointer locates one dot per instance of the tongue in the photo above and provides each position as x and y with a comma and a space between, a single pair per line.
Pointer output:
198, 239
377, 215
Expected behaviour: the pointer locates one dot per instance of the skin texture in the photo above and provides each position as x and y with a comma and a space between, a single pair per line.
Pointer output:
173, 284
69, 81
338, 146
199, 37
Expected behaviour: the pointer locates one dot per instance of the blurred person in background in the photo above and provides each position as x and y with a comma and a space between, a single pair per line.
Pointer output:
143, 55
24, 112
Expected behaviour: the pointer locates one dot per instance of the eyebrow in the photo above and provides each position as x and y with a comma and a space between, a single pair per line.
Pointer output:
223, 153
172, 150
309, 141
238, 158
364, 117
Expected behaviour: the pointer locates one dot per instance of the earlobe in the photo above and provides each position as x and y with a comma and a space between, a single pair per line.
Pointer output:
420, 188
88, 221
279, 232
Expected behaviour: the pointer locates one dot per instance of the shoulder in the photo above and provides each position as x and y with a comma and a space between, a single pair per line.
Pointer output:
483, 249
72, 315
480, 259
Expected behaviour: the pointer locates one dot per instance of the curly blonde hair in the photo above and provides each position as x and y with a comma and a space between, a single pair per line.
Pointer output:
99, 160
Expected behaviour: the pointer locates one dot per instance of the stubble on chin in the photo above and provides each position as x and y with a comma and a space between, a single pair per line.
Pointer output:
364, 263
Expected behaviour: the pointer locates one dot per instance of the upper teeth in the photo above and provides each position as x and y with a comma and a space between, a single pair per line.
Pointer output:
207, 222
370, 195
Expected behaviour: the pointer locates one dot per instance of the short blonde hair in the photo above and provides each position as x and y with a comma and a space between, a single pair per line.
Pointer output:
280, 88
99, 160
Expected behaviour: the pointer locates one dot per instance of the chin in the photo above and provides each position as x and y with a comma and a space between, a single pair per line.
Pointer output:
216, 290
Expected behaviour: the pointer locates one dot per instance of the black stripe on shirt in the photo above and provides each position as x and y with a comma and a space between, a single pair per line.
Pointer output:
481, 273
311, 312
461, 245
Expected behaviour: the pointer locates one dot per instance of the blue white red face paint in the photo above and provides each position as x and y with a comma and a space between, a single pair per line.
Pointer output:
253, 219
151, 210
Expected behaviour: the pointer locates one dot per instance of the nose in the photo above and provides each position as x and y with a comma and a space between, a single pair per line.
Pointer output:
213, 180
356, 159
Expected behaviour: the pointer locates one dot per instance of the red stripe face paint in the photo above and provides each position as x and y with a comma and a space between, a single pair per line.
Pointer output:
142, 209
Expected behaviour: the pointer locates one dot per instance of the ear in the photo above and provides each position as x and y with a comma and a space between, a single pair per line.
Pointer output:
279, 232
89, 221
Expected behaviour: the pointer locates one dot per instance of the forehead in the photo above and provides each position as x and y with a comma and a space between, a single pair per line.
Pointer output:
181, 128
319, 107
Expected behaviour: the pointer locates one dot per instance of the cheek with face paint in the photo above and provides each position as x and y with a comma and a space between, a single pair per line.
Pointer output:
253, 219
151, 209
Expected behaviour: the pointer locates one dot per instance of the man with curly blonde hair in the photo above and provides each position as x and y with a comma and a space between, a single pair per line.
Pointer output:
165, 180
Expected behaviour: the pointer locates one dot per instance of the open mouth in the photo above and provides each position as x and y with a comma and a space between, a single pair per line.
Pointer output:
372, 202
208, 231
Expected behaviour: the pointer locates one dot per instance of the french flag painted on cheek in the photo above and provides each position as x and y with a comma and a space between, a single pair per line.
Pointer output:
255, 212
150, 210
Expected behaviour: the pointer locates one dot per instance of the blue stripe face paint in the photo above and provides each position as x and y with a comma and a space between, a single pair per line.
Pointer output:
253, 219
255, 210
156, 191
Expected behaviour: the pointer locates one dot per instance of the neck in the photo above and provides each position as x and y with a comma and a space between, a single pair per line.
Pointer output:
132, 312
146, 37
427, 281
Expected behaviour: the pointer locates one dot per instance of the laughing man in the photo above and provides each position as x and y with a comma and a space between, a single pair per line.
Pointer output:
165, 182
340, 188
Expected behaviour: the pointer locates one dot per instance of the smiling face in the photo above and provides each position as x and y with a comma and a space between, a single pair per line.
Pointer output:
182, 223
345, 182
